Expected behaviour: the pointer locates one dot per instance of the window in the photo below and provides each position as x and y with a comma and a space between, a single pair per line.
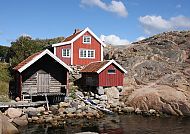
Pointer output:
87, 39
111, 71
84, 53
65, 52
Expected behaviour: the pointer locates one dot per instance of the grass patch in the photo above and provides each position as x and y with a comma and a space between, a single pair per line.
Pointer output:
4, 82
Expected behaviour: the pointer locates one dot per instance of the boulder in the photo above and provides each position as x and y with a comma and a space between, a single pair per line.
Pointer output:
87, 133
100, 90
74, 104
64, 104
128, 109
48, 119
82, 104
21, 121
161, 98
6, 127
138, 111
79, 93
40, 109
70, 110
31, 111
103, 97
112, 93
35, 118
61, 110
14, 112
152, 111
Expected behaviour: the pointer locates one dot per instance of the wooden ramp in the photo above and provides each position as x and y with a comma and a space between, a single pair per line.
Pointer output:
21, 104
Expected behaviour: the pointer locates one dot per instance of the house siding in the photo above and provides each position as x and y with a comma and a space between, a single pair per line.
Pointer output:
78, 44
67, 60
106, 79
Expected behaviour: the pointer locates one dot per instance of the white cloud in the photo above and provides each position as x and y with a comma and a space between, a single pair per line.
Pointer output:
140, 38
156, 24
115, 6
114, 40
178, 6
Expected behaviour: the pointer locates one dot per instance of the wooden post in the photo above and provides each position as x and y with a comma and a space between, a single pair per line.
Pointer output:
19, 85
67, 87
47, 102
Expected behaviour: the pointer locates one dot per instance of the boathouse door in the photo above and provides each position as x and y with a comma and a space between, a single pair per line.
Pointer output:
43, 81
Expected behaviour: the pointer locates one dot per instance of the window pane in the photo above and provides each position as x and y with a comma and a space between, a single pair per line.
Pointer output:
84, 53
66, 52
86, 39
111, 71
81, 53
89, 53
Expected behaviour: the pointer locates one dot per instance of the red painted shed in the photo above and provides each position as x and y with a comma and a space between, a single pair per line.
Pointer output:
103, 73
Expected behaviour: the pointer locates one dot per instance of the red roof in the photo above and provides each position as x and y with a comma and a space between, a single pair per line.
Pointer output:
94, 66
24, 62
72, 36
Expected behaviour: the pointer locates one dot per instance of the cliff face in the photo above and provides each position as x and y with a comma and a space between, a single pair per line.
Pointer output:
159, 61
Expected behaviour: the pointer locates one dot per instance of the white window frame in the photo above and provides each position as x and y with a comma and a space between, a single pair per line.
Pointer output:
84, 39
67, 50
87, 51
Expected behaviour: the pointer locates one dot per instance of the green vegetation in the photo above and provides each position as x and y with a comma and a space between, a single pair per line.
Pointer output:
3, 51
4, 81
25, 46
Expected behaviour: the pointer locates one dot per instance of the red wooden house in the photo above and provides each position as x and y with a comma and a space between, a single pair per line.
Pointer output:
41, 73
81, 48
103, 73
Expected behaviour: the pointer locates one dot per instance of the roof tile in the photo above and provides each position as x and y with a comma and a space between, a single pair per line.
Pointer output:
69, 38
24, 62
94, 66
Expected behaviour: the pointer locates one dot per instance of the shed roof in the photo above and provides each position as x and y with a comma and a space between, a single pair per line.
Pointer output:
99, 66
35, 57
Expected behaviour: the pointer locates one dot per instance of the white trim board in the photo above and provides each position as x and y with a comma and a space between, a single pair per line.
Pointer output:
109, 63
79, 35
36, 58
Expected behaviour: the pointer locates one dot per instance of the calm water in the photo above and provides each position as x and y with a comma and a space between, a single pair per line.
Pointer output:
123, 124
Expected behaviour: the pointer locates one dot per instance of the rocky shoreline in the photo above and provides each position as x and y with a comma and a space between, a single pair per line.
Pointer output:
74, 108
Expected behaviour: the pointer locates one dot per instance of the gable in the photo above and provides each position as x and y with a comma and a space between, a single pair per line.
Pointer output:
99, 66
35, 57
77, 35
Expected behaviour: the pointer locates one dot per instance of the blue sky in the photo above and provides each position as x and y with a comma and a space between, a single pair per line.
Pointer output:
115, 21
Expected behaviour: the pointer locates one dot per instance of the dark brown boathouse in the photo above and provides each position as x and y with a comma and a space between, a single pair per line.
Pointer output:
41, 73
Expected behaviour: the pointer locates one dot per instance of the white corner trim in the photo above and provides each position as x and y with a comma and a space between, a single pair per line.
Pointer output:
102, 53
40, 56
54, 52
109, 63
72, 53
79, 35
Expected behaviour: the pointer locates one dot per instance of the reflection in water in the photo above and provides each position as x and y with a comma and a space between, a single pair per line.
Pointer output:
123, 124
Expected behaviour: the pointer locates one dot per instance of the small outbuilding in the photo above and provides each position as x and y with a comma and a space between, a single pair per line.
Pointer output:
41, 73
102, 74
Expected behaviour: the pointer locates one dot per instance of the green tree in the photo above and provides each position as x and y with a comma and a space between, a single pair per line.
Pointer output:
25, 46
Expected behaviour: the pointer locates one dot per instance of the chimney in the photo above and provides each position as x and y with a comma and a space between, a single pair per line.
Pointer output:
76, 31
